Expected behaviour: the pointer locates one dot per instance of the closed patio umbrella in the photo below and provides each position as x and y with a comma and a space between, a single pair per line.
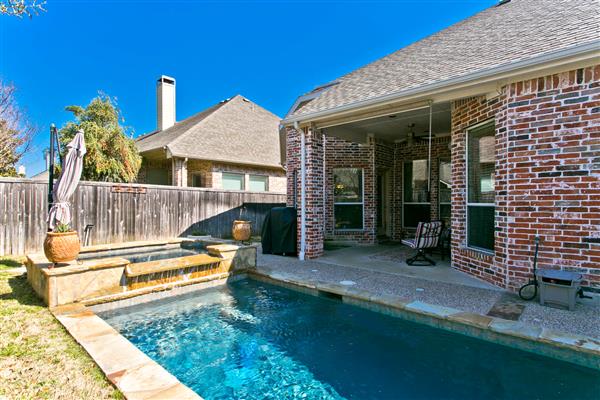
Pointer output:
60, 212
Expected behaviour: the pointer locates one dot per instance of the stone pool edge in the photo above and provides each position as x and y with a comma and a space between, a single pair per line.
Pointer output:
575, 349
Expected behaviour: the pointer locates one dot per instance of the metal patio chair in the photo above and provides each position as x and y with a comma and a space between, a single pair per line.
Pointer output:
427, 236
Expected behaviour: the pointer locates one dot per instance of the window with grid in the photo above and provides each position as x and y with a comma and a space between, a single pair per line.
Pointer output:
348, 202
480, 187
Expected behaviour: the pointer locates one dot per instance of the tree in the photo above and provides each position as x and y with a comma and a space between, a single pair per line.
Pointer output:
19, 8
112, 155
15, 131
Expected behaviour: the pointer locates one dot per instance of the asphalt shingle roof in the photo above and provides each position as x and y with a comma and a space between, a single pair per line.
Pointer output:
499, 35
237, 131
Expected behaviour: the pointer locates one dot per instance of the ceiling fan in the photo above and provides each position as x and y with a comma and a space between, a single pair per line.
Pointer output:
411, 137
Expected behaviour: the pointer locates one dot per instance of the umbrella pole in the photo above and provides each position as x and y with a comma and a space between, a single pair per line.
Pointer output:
51, 167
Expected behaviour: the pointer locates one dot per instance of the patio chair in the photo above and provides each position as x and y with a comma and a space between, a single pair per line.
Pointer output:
427, 237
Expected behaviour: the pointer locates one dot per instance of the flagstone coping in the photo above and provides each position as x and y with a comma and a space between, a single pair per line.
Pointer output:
568, 347
135, 374
73, 267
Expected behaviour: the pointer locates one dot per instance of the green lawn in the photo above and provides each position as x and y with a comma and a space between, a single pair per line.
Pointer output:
38, 358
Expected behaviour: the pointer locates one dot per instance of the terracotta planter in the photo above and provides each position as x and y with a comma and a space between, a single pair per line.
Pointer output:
61, 246
242, 230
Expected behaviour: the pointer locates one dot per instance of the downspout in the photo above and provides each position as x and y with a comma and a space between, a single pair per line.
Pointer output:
302, 191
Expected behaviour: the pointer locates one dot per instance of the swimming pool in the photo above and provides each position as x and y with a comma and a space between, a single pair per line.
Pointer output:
252, 340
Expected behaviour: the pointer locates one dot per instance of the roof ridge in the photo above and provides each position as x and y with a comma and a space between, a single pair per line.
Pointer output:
257, 105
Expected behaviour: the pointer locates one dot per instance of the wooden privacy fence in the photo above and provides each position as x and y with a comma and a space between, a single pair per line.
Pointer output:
128, 212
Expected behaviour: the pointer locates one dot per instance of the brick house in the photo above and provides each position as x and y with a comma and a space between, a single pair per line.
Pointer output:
235, 144
511, 98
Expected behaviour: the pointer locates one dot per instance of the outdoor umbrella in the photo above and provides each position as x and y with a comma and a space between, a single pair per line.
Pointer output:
66, 184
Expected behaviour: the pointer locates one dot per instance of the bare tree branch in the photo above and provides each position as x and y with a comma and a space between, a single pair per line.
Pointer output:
18, 8
16, 132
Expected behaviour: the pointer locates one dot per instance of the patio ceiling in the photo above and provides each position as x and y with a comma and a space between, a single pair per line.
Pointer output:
395, 127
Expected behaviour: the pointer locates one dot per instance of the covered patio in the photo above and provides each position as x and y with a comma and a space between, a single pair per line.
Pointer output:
384, 174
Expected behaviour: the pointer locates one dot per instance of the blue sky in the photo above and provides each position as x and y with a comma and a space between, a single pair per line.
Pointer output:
268, 51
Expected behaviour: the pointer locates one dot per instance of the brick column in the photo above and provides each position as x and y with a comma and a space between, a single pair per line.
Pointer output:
314, 193
179, 172
314, 217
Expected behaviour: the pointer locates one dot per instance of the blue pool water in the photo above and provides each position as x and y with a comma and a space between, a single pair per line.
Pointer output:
251, 340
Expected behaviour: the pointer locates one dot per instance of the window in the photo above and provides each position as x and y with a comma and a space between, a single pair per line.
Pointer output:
348, 198
198, 180
157, 176
480, 187
259, 183
445, 190
233, 181
416, 196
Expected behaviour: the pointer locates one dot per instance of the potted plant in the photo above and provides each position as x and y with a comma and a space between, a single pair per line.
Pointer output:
242, 229
62, 244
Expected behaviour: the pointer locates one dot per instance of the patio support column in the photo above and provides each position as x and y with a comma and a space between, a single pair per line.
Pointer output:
314, 187
305, 152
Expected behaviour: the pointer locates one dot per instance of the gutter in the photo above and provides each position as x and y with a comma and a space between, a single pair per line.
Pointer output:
490, 73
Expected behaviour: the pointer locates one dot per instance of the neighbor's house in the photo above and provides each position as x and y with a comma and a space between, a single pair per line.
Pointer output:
513, 96
233, 145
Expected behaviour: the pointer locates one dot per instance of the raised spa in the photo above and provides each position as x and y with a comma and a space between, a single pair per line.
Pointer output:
148, 253
253, 340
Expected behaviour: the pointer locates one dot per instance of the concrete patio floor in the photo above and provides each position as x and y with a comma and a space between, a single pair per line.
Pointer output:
380, 269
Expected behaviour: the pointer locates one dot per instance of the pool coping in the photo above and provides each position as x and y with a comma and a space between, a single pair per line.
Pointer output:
575, 349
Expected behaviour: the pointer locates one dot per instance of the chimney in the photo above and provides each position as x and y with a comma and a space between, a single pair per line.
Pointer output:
165, 102
47, 158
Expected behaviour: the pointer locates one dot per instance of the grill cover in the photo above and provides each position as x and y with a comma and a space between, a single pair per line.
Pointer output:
279, 231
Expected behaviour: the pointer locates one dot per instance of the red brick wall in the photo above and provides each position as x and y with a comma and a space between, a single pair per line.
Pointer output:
554, 181
547, 177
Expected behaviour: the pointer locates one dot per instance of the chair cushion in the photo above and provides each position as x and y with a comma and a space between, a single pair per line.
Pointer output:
409, 242
428, 235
